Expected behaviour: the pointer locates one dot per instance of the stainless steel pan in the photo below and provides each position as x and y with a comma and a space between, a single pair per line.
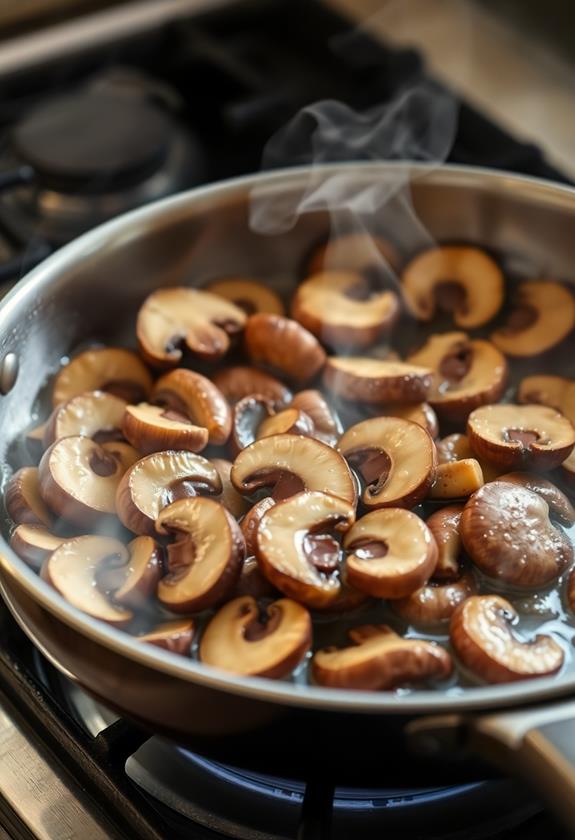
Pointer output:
92, 289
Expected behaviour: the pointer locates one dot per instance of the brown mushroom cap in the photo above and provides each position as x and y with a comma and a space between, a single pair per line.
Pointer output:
444, 526
357, 251
72, 569
376, 381
112, 369
396, 459
243, 639
390, 553
94, 414
555, 391
135, 581
295, 550
250, 295
327, 306
466, 280
230, 498
466, 373
457, 479
507, 533
159, 479
251, 522
203, 320
154, 428
284, 345
198, 399
420, 413
482, 638
34, 543
544, 315
315, 466
205, 558
520, 436
327, 426
434, 604
560, 507
173, 636
380, 660
23, 499
241, 381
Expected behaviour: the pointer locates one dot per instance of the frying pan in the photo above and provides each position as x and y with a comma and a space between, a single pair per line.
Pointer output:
91, 289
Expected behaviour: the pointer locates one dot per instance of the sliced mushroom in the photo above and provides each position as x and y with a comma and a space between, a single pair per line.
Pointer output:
95, 414
554, 391
159, 479
203, 321
235, 383
434, 604
485, 644
560, 508
34, 543
198, 399
23, 499
290, 421
112, 369
456, 447
444, 526
284, 345
327, 426
132, 581
343, 311
291, 463
395, 458
466, 373
173, 636
251, 522
253, 582
458, 279
205, 558
154, 428
73, 568
250, 295
247, 416
79, 478
264, 642
230, 498
380, 660
507, 533
457, 480
520, 436
543, 315
420, 413
295, 548
390, 553
358, 251
375, 381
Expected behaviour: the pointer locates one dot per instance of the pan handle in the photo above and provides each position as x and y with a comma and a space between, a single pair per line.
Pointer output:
537, 743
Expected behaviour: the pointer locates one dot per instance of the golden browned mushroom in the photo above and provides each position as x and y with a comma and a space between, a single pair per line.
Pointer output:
485, 644
395, 458
359, 251
520, 436
420, 413
444, 525
507, 533
251, 522
95, 414
456, 447
23, 499
560, 508
112, 369
194, 396
284, 345
380, 660
241, 381
376, 381
34, 543
159, 479
171, 317
544, 315
296, 550
153, 428
434, 604
555, 391
230, 498
327, 426
290, 421
132, 581
205, 557
250, 295
457, 479
173, 636
459, 279
260, 642
390, 553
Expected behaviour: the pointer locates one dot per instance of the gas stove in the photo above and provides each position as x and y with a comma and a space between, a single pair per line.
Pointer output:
192, 98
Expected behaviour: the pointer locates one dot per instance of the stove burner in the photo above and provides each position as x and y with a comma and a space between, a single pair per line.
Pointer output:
93, 143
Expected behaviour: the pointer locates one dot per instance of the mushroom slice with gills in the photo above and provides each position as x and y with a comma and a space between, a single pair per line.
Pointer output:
291, 463
395, 459
284, 345
95, 414
560, 508
290, 421
466, 373
507, 533
79, 478
380, 660
457, 480
241, 381
250, 295
444, 526
420, 413
132, 581
73, 568
34, 543
251, 522
173, 636
296, 550
357, 251
170, 317
483, 640
434, 604
247, 416
376, 381
205, 557
23, 499
255, 641
154, 428
230, 498
158, 480
195, 397
390, 553
327, 426
520, 436
543, 315
554, 391
458, 279
344, 310
112, 369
